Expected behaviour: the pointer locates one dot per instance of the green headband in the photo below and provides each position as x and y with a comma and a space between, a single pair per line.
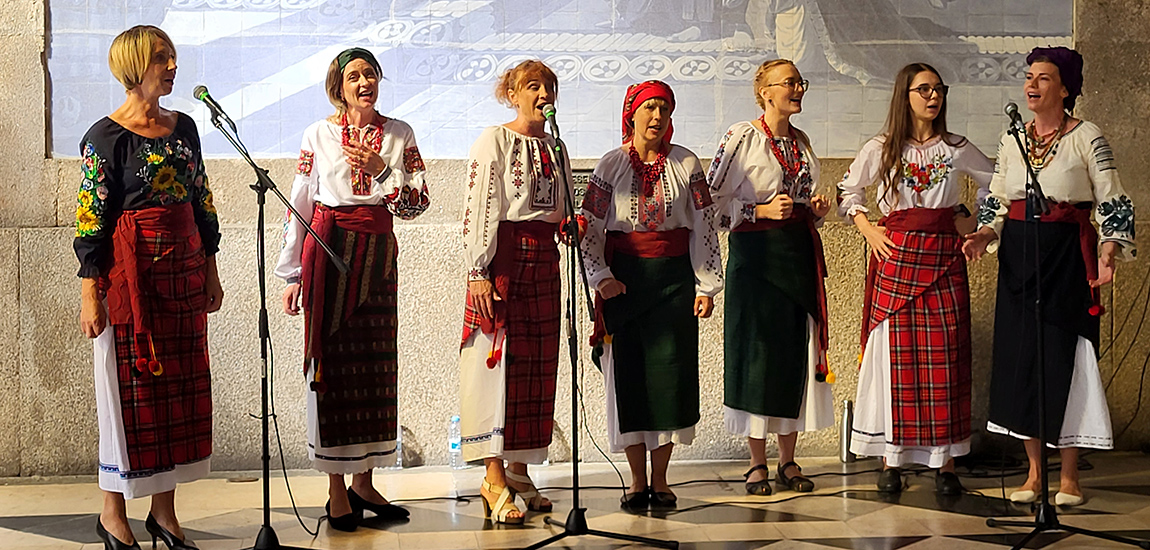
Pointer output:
349, 54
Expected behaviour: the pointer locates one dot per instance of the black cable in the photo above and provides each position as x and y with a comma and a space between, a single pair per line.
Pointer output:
279, 443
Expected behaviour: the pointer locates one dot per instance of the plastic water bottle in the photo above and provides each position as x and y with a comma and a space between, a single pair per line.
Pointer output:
398, 449
455, 445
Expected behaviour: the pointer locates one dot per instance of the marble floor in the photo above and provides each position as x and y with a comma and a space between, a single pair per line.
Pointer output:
713, 512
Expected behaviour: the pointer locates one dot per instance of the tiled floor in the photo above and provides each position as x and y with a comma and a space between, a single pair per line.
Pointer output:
223, 513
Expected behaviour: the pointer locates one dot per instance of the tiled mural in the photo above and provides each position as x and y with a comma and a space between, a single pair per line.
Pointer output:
265, 61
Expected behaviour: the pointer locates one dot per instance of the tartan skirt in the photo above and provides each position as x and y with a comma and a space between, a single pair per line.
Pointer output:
167, 418
528, 333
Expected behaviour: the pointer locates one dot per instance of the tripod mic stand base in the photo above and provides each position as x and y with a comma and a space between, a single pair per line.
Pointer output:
1046, 519
267, 540
576, 526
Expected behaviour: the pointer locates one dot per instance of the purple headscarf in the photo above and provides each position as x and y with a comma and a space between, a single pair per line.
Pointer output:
1069, 63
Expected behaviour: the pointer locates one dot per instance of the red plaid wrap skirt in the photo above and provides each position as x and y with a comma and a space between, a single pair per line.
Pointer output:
525, 272
922, 291
157, 305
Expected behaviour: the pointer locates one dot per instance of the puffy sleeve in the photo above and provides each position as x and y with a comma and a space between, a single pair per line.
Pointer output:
203, 209
995, 207
734, 202
1115, 211
599, 209
705, 257
484, 204
406, 192
99, 198
969, 160
303, 191
863, 171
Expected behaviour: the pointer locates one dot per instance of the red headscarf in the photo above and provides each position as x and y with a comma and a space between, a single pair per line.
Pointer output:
637, 94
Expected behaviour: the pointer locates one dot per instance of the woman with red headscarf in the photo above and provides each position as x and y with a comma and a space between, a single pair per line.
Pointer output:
775, 335
652, 254
1076, 169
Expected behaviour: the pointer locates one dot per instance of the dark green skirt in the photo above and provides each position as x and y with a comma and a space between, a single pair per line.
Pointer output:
771, 289
655, 343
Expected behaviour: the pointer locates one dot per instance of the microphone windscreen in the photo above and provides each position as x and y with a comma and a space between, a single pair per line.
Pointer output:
199, 92
1011, 109
548, 110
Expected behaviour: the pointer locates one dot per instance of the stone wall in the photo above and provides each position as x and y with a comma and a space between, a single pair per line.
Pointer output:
47, 421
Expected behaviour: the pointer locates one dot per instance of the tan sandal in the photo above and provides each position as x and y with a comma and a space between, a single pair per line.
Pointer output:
530, 496
504, 505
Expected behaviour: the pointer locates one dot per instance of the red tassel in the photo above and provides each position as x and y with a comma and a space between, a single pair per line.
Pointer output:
1096, 310
493, 358
155, 367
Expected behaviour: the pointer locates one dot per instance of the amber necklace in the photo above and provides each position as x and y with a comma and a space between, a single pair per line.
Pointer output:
1040, 149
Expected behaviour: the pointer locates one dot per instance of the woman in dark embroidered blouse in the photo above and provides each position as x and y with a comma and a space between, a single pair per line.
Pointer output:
146, 238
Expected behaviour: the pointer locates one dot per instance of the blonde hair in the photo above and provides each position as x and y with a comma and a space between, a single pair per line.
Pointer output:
131, 53
515, 78
761, 82
334, 87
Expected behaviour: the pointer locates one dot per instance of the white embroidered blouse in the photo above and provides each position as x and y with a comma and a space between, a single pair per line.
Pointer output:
745, 172
929, 179
1080, 169
615, 202
324, 176
510, 177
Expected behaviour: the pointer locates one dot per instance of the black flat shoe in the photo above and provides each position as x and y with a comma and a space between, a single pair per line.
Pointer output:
387, 511
158, 532
110, 541
947, 484
761, 488
890, 481
662, 500
635, 501
346, 523
798, 483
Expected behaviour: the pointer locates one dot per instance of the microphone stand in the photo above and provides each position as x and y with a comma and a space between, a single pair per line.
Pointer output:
576, 524
267, 539
1046, 517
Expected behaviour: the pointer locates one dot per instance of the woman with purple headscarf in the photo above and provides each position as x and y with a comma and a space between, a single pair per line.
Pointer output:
1076, 169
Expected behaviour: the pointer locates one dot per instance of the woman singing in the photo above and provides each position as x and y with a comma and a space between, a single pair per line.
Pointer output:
775, 339
510, 345
913, 403
652, 254
357, 171
1076, 170
146, 238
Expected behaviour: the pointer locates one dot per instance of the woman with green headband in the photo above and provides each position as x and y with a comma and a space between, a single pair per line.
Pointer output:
357, 171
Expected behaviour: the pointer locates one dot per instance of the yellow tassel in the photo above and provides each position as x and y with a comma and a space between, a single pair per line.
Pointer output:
607, 339
830, 378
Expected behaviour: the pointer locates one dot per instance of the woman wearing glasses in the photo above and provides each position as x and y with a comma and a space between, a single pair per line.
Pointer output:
913, 403
1076, 169
776, 377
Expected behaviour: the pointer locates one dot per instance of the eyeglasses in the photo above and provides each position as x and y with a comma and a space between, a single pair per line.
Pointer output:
801, 85
925, 90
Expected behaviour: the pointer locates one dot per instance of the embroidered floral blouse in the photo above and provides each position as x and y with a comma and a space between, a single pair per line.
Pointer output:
510, 177
615, 202
1080, 169
745, 172
324, 176
126, 171
929, 178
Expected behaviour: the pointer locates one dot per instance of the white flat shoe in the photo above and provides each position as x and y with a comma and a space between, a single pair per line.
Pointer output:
1067, 499
1024, 497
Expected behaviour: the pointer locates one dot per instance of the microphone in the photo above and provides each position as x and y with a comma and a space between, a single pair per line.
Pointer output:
1011, 111
549, 114
201, 93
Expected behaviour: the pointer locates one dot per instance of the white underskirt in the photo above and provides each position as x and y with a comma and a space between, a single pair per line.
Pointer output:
816, 412
874, 419
115, 475
618, 441
344, 459
1086, 422
482, 399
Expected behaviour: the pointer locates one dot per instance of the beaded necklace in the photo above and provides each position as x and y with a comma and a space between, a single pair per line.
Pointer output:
1040, 149
360, 180
790, 170
649, 174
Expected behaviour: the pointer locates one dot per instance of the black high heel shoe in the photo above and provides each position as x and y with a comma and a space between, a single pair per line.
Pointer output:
110, 541
158, 532
347, 522
389, 511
